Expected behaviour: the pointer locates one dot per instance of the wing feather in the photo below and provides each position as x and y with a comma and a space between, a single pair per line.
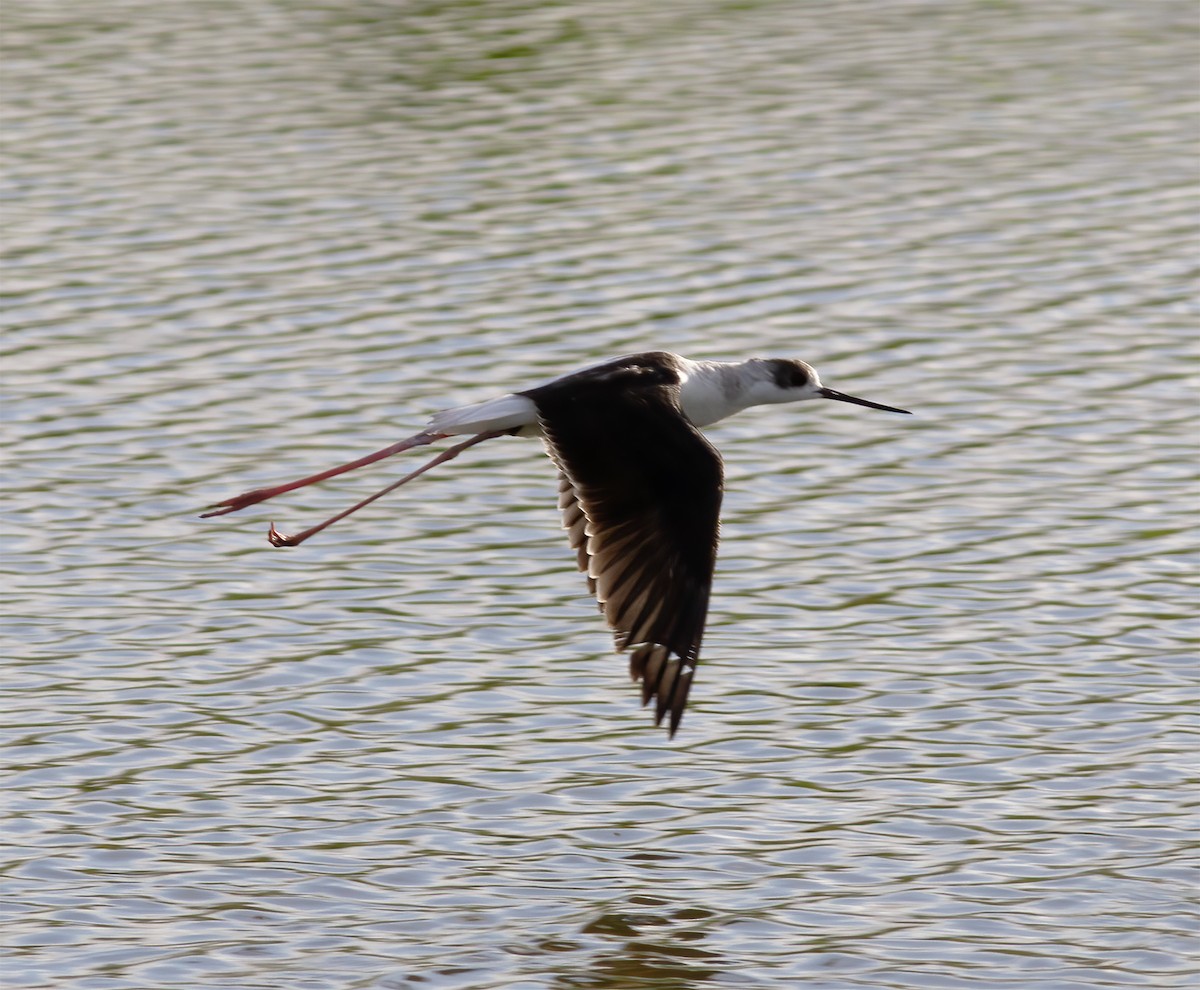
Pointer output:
640, 493
575, 523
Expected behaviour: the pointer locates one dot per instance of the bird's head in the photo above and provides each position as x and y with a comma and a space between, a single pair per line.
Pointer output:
788, 380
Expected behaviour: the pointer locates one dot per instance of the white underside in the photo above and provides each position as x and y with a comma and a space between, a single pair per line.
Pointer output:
504, 413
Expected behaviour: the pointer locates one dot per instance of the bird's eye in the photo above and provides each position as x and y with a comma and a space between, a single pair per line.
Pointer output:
799, 378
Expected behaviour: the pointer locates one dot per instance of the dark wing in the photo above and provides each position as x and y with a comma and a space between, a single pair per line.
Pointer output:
640, 492
575, 523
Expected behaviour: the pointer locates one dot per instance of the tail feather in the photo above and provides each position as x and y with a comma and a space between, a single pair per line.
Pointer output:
504, 413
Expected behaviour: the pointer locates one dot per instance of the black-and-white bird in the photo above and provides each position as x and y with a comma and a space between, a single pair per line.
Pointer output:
639, 487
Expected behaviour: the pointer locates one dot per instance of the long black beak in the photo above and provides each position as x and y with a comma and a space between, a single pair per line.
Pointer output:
830, 393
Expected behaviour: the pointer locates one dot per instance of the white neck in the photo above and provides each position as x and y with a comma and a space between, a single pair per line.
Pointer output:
713, 390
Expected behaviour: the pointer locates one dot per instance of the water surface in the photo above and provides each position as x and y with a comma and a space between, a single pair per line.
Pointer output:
944, 734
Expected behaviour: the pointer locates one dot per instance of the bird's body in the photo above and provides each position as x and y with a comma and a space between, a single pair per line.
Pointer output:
639, 487
708, 391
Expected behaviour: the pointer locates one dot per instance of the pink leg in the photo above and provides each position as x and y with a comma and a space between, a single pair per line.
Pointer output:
281, 540
262, 494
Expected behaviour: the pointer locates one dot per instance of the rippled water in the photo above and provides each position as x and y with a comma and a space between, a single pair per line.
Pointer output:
945, 731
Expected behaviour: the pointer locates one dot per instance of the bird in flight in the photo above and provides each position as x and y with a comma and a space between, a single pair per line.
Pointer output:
639, 487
